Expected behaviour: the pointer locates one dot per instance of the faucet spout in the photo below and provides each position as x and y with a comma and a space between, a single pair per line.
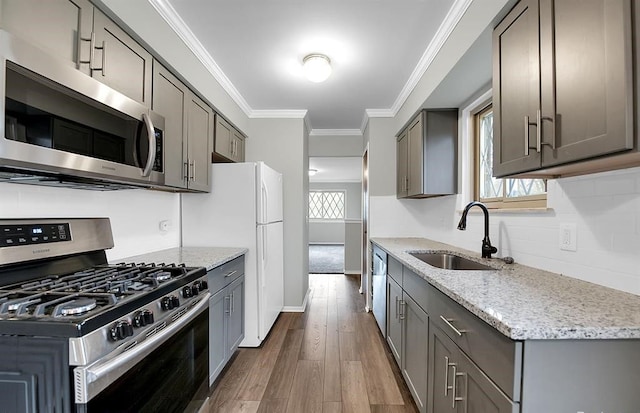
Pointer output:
487, 248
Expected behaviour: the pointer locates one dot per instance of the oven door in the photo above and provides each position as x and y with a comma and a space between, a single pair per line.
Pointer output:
167, 372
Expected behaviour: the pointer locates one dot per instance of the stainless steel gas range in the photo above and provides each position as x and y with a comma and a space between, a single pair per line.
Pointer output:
80, 335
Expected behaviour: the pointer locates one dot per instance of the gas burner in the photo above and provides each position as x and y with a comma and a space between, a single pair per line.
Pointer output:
75, 307
162, 276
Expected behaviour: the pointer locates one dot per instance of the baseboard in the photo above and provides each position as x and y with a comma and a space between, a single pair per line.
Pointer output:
352, 272
297, 309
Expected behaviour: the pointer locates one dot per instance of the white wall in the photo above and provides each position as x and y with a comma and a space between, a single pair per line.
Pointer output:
283, 145
135, 214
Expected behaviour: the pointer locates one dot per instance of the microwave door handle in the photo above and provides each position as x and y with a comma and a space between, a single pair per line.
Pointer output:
151, 135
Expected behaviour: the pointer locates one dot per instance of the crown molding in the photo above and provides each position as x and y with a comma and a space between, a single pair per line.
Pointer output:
169, 14
282, 114
335, 132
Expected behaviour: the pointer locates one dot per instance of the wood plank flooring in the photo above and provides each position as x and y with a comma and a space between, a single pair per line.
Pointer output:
330, 359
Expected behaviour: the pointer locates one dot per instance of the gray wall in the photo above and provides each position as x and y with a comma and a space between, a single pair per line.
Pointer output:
332, 232
334, 145
283, 145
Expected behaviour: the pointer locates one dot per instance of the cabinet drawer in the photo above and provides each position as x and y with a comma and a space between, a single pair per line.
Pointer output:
416, 287
221, 276
394, 269
498, 356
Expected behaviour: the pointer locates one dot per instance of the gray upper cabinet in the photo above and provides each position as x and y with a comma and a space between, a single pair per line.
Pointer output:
78, 33
562, 85
229, 142
188, 132
427, 155
402, 161
60, 27
120, 62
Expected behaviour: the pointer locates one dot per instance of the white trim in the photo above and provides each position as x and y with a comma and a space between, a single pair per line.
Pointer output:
365, 122
335, 132
169, 14
442, 34
353, 221
297, 309
353, 273
280, 114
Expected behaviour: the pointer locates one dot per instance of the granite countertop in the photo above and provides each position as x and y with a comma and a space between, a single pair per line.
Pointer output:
208, 257
525, 303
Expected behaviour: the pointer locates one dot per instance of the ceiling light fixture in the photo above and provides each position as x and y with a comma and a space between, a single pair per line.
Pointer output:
312, 172
317, 67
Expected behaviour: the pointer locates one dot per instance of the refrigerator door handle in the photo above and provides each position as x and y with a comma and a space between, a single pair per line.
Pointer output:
265, 250
265, 203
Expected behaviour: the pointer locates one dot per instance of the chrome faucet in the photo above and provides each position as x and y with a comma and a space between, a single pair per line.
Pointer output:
487, 248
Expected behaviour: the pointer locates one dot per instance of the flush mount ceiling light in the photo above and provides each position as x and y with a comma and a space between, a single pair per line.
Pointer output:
317, 67
312, 172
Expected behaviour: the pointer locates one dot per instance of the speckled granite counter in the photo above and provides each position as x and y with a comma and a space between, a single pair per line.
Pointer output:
525, 303
209, 257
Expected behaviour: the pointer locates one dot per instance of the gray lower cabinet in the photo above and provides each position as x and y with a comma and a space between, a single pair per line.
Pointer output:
226, 314
426, 158
457, 384
415, 349
562, 86
188, 136
394, 320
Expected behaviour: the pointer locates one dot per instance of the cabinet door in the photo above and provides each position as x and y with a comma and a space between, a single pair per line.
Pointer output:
586, 73
57, 26
169, 97
224, 136
200, 142
415, 350
218, 314
402, 165
120, 62
415, 143
235, 332
443, 367
516, 85
479, 394
394, 322
237, 146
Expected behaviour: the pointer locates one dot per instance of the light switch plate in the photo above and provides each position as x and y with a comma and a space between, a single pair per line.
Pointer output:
568, 237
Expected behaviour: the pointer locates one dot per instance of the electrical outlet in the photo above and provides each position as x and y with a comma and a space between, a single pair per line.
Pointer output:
568, 237
165, 225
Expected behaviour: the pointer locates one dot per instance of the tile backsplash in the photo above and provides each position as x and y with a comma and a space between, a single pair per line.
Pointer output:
135, 214
604, 207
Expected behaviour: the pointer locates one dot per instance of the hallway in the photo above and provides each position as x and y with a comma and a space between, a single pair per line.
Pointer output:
332, 358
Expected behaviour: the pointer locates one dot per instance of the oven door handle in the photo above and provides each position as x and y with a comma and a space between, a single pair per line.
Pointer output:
92, 379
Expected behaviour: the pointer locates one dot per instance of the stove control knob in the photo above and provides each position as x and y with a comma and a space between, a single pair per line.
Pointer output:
143, 318
187, 291
203, 285
170, 302
195, 288
121, 330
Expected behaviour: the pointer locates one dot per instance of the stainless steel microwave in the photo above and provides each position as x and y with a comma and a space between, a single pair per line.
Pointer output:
62, 126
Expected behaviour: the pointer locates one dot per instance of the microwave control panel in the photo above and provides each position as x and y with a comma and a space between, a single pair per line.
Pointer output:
18, 235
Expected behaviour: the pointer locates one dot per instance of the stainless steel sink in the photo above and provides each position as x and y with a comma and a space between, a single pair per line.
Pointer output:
450, 261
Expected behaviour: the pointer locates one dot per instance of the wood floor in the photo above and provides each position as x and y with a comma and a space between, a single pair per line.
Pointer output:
332, 358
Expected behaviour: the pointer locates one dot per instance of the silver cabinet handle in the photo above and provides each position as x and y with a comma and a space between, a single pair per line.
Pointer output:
448, 322
402, 308
104, 58
233, 304
447, 364
227, 297
192, 173
541, 118
92, 43
185, 171
230, 273
539, 130
527, 123
454, 386
151, 135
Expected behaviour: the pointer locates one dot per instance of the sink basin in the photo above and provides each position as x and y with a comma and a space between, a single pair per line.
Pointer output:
450, 261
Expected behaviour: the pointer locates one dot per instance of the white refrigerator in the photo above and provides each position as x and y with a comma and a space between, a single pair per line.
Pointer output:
244, 209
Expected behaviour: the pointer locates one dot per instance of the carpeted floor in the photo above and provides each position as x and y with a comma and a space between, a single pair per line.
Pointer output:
326, 259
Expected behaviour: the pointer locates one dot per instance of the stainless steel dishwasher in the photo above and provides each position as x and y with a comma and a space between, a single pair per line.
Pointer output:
379, 284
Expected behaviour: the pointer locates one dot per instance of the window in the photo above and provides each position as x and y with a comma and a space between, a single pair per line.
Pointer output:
497, 192
326, 204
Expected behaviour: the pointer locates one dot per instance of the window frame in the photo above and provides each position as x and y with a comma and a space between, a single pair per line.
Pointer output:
323, 191
504, 202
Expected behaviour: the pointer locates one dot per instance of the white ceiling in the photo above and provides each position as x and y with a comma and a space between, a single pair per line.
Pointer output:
336, 169
378, 50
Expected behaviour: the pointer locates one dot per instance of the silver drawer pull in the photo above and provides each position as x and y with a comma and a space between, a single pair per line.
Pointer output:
230, 273
447, 364
448, 322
